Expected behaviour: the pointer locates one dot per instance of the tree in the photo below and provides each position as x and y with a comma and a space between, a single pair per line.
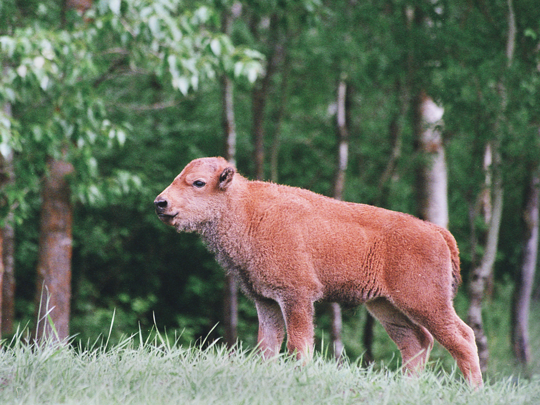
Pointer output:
433, 184
261, 91
54, 266
7, 240
525, 281
230, 301
482, 273
339, 185
53, 288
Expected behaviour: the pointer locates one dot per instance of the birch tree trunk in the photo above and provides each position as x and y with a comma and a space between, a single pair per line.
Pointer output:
53, 292
433, 184
339, 186
481, 274
230, 294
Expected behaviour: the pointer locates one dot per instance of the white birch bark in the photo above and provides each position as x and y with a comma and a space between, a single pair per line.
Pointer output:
434, 204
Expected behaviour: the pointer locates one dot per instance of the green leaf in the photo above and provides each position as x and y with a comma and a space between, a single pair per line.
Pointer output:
5, 149
252, 72
182, 84
22, 70
529, 32
114, 6
215, 45
44, 82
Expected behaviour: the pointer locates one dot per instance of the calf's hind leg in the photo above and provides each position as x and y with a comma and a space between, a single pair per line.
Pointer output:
413, 340
456, 337
298, 314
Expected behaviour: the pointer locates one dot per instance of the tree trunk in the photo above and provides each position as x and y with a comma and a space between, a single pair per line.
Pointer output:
278, 118
230, 293
482, 272
228, 121
7, 247
1, 276
433, 183
230, 296
395, 130
7, 262
261, 92
8, 281
339, 186
367, 339
258, 107
53, 292
524, 285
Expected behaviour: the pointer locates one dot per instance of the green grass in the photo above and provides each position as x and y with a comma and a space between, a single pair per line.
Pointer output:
159, 372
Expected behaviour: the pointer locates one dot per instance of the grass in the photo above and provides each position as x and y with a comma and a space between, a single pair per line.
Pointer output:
160, 372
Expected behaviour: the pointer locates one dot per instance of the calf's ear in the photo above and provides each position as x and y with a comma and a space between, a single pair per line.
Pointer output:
225, 178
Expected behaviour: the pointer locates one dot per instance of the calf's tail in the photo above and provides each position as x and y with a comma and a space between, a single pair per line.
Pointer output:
454, 254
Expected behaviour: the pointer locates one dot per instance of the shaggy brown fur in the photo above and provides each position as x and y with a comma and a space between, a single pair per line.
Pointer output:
290, 247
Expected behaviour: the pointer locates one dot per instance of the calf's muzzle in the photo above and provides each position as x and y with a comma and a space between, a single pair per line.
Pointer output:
160, 205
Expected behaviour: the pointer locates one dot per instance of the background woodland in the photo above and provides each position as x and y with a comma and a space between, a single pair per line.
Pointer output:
430, 107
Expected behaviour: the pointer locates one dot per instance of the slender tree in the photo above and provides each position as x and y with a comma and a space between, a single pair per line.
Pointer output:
8, 280
339, 185
279, 116
524, 286
7, 241
230, 294
261, 90
1, 277
483, 272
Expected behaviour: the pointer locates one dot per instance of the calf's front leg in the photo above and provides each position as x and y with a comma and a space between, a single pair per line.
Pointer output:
271, 327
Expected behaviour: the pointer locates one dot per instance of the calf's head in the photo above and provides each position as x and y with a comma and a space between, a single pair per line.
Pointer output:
197, 194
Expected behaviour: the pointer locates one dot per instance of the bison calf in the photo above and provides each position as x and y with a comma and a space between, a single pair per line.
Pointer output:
290, 247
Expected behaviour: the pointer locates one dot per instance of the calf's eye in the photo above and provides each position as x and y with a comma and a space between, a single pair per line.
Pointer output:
199, 183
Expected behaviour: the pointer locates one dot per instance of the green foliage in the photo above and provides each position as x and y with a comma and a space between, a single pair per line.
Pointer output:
54, 77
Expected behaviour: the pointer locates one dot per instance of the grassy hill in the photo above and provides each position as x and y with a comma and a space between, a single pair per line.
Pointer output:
159, 372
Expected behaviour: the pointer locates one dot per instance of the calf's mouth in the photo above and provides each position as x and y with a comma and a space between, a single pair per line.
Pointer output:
165, 217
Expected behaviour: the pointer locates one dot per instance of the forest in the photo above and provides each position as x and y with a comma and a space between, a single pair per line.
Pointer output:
429, 107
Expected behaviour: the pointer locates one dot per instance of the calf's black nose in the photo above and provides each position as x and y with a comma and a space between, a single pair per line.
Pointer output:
160, 205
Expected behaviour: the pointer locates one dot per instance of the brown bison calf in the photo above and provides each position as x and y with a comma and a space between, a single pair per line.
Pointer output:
290, 247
